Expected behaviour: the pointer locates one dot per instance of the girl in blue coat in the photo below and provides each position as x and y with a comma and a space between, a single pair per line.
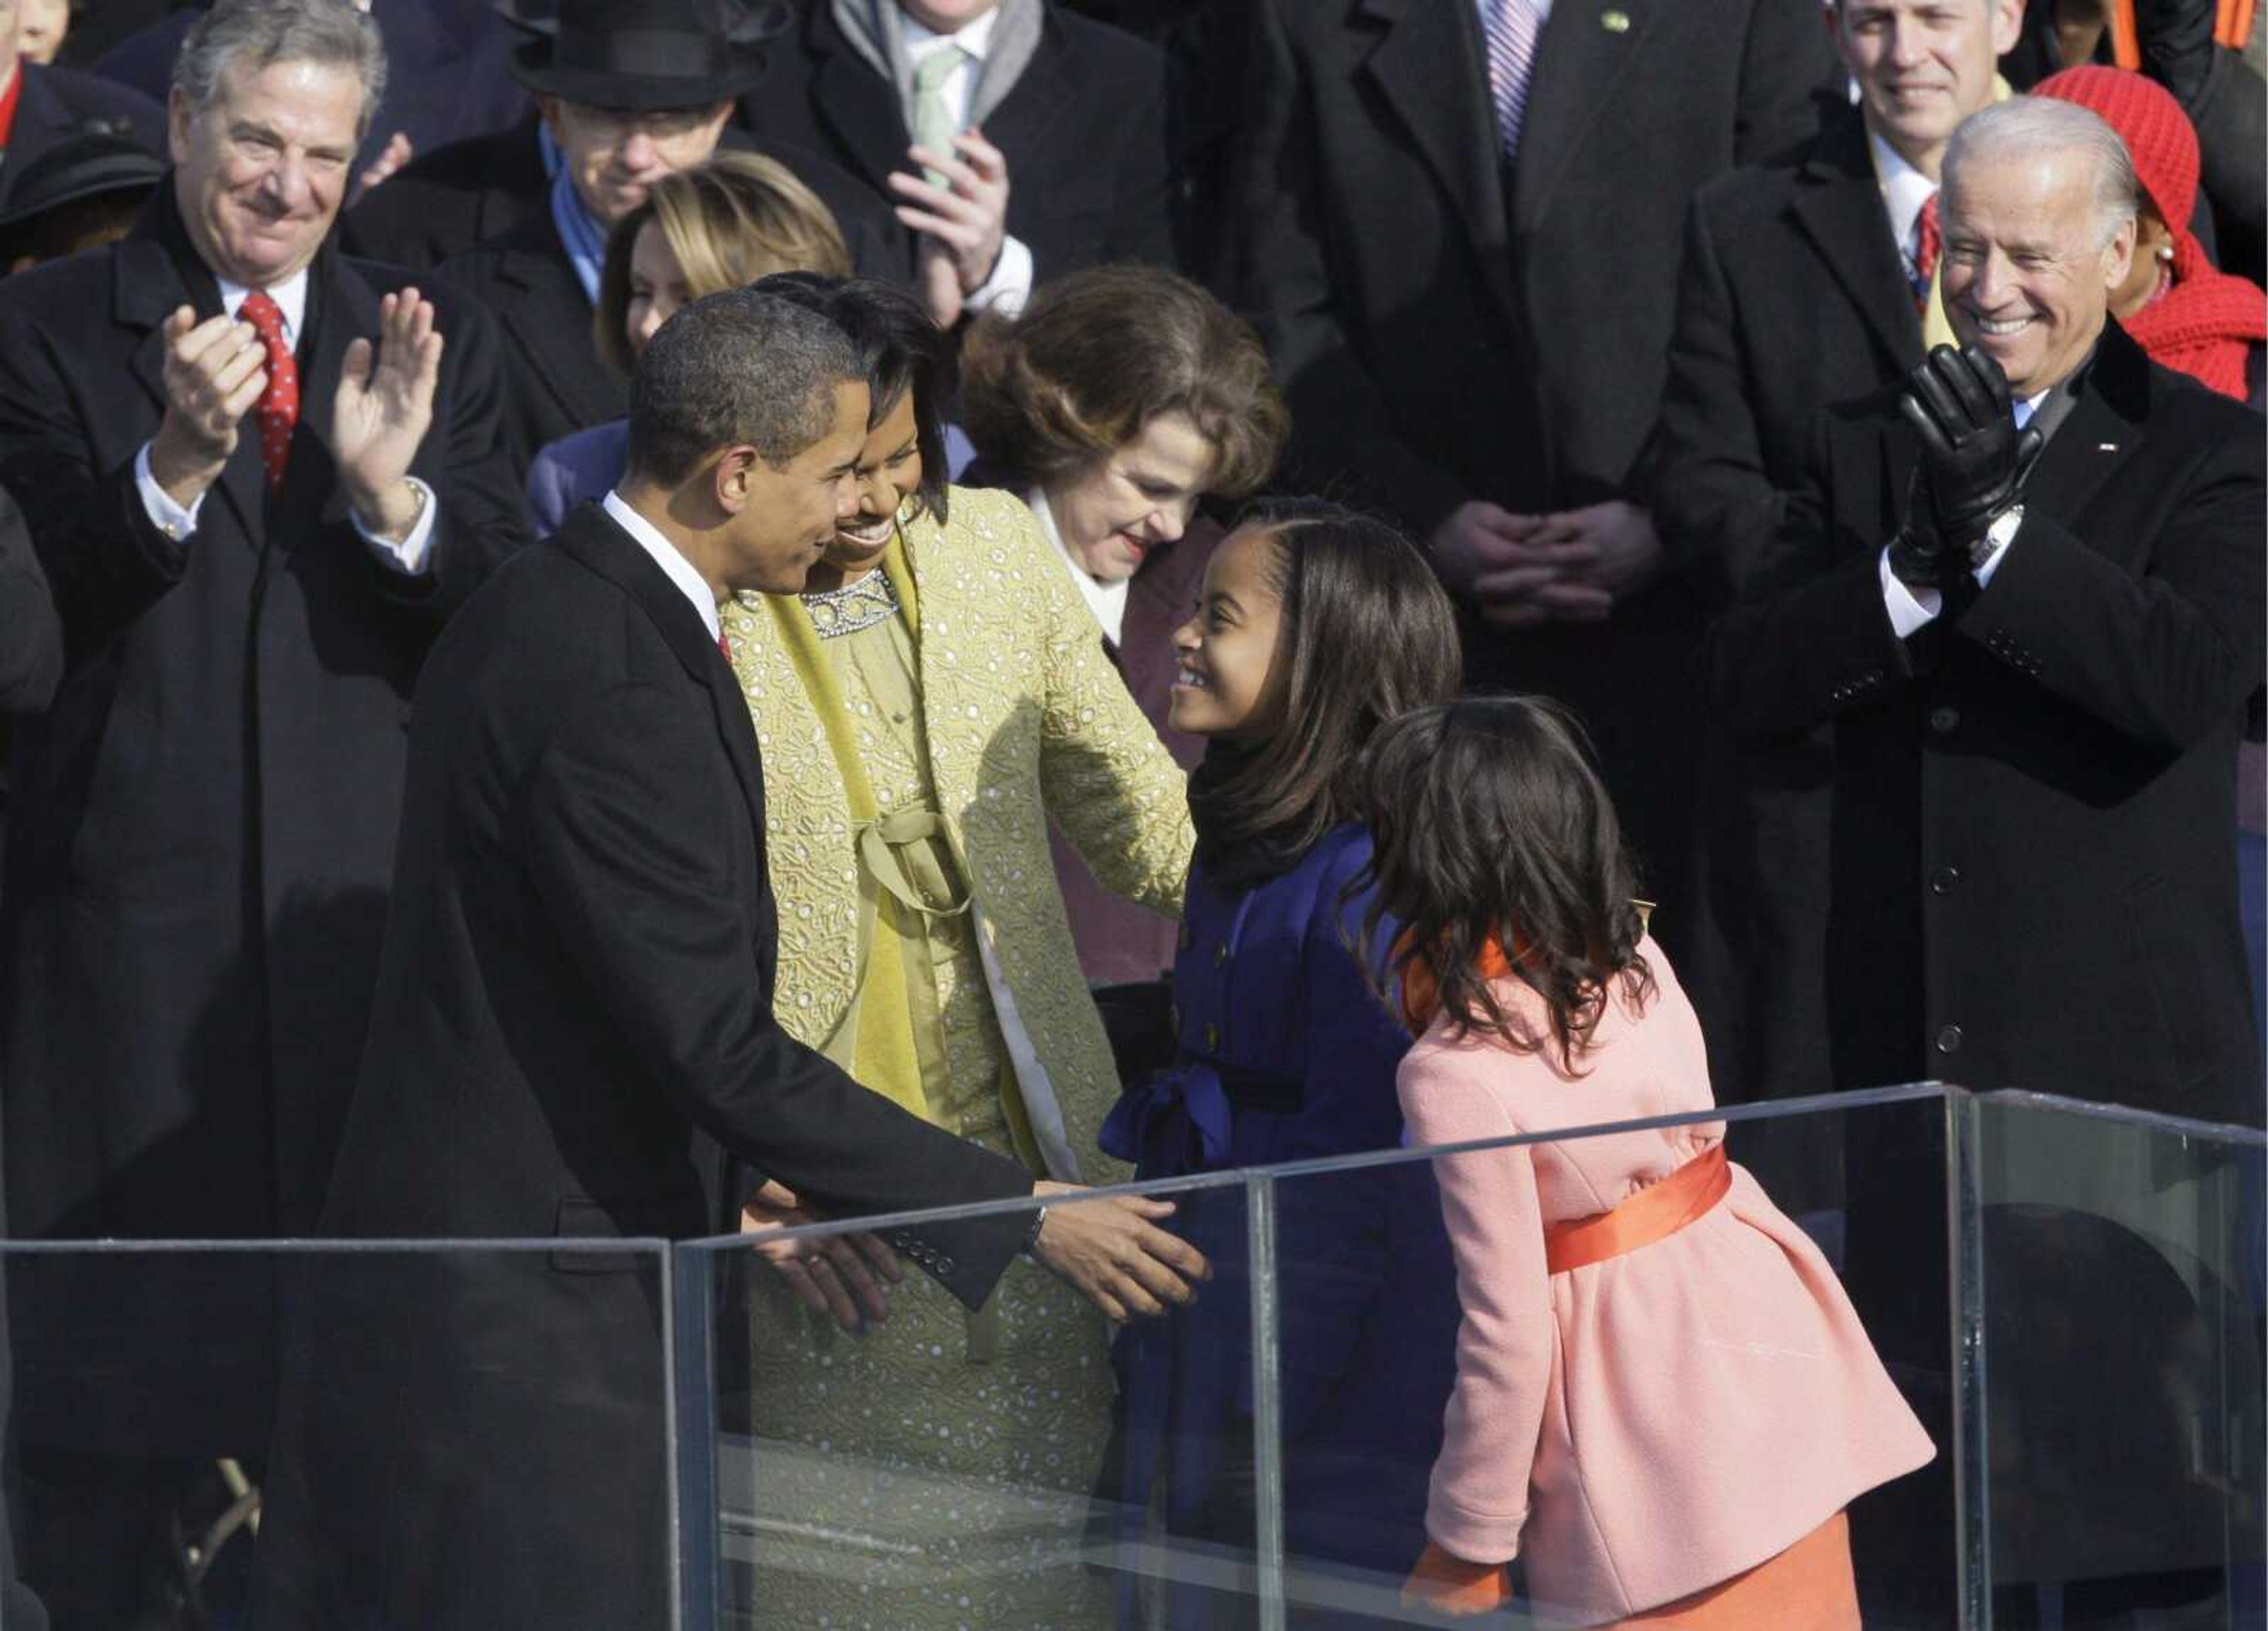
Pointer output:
1313, 627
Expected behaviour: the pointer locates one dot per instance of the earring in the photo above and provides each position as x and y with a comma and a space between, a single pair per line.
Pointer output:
2166, 253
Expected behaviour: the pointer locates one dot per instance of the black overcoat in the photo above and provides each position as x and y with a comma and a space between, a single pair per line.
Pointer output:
30, 637
2031, 871
555, 382
1793, 297
572, 1038
201, 834
1450, 327
1083, 130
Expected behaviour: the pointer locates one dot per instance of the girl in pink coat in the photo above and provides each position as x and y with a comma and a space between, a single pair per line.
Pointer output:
1664, 1400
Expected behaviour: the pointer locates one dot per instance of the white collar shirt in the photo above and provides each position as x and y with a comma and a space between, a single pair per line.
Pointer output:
1106, 601
689, 582
291, 299
1904, 191
975, 38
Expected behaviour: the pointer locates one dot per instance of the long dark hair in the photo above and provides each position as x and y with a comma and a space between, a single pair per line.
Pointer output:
902, 348
1366, 632
1488, 820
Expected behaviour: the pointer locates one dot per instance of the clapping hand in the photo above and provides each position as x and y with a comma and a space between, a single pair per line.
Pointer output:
1974, 462
964, 221
1111, 1249
213, 373
841, 1276
383, 409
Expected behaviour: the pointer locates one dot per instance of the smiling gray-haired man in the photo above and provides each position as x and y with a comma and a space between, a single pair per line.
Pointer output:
259, 476
2025, 589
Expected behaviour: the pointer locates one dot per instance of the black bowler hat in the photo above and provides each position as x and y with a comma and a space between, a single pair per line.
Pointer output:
640, 54
94, 160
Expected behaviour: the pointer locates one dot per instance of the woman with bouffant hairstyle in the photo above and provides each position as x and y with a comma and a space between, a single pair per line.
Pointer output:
1639, 1283
719, 225
1122, 399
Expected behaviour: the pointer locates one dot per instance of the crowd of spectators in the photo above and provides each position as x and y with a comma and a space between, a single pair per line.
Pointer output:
1660, 327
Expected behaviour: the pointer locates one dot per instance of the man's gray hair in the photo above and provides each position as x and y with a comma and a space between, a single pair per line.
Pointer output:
2037, 127
738, 369
258, 33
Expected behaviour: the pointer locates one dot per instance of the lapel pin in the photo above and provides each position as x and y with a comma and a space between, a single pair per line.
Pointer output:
1614, 22
2106, 447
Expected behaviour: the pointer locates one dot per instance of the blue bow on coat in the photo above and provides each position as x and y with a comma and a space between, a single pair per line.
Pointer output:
1172, 1123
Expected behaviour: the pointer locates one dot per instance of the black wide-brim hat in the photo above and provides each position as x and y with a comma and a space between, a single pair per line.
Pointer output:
94, 161
640, 54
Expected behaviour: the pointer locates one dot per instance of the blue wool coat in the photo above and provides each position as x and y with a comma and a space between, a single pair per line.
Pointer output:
1286, 1053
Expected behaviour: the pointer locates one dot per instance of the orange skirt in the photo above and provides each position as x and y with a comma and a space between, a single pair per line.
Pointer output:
1807, 1588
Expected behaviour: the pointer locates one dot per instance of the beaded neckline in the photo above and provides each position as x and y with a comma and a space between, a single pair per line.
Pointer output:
835, 613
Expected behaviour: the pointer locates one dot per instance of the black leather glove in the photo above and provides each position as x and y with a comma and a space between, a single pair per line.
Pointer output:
1973, 463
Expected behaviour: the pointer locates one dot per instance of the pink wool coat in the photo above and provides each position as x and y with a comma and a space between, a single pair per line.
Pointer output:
1643, 1428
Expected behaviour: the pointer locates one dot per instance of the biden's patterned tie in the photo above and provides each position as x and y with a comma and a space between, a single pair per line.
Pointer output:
277, 411
1511, 30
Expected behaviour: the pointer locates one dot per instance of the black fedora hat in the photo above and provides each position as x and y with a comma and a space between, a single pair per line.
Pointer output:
97, 158
639, 54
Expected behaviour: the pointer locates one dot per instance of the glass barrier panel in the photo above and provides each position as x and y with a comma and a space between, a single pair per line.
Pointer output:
1716, 1378
2120, 1412
316, 1436
1002, 1467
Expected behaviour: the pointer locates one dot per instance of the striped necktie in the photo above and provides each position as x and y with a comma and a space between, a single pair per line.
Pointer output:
1510, 29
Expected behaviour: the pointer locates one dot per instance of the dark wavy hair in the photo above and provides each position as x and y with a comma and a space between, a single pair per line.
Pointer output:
1366, 632
900, 348
1487, 819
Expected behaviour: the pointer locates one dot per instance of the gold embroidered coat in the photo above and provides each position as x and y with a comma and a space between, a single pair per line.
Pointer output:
1027, 719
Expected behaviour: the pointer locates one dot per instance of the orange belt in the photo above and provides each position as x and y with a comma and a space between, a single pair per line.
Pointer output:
1652, 1214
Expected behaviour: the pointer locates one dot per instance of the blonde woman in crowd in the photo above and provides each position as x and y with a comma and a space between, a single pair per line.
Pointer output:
720, 225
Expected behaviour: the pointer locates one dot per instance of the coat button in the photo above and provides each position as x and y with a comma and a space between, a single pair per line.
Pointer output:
1220, 955
1944, 880
1943, 719
1212, 1039
1948, 1040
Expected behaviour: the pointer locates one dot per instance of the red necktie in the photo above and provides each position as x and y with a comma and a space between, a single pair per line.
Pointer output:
725, 646
278, 407
1927, 245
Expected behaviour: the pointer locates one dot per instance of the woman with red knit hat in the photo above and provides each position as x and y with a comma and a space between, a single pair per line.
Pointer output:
2186, 314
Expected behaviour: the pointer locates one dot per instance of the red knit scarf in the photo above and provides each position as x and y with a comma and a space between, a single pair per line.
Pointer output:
2206, 325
